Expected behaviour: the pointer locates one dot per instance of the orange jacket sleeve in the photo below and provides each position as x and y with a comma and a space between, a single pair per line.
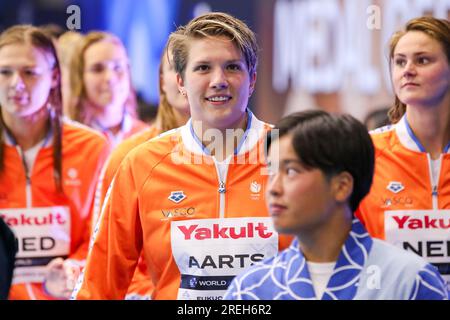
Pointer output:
117, 242
81, 251
113, 163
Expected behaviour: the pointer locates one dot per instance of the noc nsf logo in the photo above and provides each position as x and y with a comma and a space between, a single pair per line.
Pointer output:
72, 178
255, 190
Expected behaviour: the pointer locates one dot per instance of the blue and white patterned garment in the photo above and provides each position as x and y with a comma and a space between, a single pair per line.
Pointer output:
366, 269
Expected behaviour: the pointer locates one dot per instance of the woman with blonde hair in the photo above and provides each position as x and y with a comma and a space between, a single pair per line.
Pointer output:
66, 45
409, 203
48, 168
101, 83
194, 209
173, 112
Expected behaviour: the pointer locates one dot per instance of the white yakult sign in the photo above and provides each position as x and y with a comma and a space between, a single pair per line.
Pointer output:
210, 252
424, 232
42, 234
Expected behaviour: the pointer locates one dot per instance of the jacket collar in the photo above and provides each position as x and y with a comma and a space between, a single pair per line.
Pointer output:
252, 134
408, 139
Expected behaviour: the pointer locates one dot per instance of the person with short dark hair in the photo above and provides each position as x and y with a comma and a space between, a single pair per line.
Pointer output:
321, 167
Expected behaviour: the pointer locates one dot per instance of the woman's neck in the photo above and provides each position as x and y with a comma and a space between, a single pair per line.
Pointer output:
431, 126
221, 143
324, 243
27, 131
108, 117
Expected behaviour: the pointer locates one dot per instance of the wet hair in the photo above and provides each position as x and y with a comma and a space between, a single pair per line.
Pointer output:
437, 29
211, 25
27, 34
332, 144
77, 109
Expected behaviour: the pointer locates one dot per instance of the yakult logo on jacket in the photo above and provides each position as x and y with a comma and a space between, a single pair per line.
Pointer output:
24, 220
425, 222
217, 232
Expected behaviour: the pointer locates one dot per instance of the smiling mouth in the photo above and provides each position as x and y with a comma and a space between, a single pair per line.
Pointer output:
219, 99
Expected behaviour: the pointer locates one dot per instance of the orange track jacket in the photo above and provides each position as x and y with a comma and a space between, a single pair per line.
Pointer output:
47, 223
198, 223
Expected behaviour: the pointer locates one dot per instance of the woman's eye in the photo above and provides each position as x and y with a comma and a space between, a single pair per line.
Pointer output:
31, 73
423, 60
119, 67
202, 67
97, 68
5, 72
272, 168
400, 62
234, 67
291, 172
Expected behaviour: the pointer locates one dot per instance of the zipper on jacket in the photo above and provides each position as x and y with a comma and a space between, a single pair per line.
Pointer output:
222, 188
28, 195
434, 179
28, 198
434, 195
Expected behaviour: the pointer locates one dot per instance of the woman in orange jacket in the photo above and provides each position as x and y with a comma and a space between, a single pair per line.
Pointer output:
173, 112
409, 203
48, 168
100, 80
192, 199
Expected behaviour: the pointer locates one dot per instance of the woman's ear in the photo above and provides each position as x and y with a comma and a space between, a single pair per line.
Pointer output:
54, 94
252, 83
342, 186
180, 83
56, 78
